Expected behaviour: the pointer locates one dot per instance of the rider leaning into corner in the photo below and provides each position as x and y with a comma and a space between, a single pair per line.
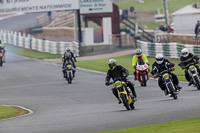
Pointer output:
68, 55
138, 56
160, 65
185, 59
118, 72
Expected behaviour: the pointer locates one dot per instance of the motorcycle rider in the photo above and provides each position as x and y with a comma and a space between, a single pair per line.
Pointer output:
2, 46
68, 55
185, 59
160, 65
138, 56
118, 72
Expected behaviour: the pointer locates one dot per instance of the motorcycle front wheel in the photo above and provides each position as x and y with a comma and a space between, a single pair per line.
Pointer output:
197, 82
144, 80
70, 78
171, 89
1, 62
125, 101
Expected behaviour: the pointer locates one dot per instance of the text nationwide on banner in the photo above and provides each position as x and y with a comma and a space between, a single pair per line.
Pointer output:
95, 6
26, 6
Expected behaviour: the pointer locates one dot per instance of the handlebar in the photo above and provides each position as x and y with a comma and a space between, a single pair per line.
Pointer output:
165, 71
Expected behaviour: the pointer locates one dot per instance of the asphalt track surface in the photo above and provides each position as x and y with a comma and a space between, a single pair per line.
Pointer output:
86, 105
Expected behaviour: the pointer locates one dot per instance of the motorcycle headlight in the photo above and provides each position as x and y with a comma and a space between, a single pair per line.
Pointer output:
165, 76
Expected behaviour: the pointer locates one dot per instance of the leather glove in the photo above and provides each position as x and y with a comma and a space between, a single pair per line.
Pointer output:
134, 67
172, 69
106, 83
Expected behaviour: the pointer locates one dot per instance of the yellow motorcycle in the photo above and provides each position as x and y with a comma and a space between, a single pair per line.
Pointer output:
124, 94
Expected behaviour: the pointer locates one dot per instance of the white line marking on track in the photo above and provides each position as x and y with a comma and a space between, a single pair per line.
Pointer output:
29, 110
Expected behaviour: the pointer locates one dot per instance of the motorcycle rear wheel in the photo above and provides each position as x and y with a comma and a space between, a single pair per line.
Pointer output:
125, 101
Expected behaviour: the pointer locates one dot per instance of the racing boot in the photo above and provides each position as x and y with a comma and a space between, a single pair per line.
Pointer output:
166, 92
190, 83
178, 88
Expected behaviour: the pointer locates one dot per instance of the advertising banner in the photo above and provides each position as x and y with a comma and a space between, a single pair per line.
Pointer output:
26, 6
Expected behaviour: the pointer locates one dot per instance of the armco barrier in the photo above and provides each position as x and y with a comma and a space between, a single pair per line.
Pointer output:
28, 42
171, 50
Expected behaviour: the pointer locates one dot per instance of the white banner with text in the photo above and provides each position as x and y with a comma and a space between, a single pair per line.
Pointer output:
26, 6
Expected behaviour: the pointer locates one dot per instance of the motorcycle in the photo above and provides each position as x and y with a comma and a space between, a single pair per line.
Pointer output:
142, 70
124, 94
69, 71
167, 80
192, 70
2, 57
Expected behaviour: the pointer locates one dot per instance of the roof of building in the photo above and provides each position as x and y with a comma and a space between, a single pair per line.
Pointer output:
187, 10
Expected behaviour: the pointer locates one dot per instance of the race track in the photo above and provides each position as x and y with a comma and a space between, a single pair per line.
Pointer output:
86, 105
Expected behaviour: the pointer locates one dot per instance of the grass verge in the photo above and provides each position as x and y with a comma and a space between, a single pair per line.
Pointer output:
11, 111
31, 53
183, 126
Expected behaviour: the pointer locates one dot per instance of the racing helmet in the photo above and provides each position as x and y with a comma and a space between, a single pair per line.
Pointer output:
184, 52
112, 63
159, 58
138, 52
68, 49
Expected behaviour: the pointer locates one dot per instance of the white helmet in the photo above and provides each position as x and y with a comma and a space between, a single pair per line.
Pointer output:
138, 52
68, 49
159, 58
185, 52
112, 63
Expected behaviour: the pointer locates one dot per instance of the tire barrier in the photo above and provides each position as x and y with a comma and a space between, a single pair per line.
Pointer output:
28, 42
171, 50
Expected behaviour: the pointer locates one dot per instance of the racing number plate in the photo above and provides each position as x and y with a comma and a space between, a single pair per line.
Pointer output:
166, 76
118, 84
192, 68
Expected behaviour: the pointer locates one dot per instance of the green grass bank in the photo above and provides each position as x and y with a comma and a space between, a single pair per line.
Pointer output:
11, 111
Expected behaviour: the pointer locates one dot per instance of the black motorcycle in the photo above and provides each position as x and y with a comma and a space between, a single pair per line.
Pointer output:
69, 71
194, 74
167, 80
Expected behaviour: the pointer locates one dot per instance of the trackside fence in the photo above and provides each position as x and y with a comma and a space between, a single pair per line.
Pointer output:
171, 50
28, 42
